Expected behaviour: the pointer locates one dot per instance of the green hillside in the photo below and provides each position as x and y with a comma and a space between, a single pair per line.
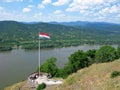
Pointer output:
14, 34
95, 77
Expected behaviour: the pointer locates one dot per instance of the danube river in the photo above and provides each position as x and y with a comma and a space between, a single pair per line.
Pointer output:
16, 65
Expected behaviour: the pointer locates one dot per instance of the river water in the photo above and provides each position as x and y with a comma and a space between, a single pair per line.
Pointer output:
16, 65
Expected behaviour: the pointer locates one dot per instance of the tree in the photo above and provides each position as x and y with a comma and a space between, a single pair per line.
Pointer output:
49, 66
78, 60
105, 54
41, 86
91, 56
118, 51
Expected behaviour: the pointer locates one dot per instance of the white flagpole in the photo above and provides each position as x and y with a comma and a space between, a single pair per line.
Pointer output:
39, 57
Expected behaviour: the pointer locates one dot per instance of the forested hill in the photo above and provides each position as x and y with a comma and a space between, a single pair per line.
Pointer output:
17, 33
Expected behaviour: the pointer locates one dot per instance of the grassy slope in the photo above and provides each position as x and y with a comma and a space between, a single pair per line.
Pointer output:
95, 77
18, 86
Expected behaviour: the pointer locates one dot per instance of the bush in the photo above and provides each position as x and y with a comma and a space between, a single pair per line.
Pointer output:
71, 80
78, 60
49, 66
115, 74
105, 54
41, 86
118, 51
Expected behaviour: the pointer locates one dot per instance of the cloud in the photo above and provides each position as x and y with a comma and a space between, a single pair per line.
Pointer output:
1, 8
118, 15
115, 9
94, 6
12, 16
12, 0
30, 6
101, 10
78, 5
57, 12
110, 10
60, 2
41, 6
46, 1
26, 10
37, 15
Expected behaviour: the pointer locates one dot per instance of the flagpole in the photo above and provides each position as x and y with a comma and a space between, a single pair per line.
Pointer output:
39, 57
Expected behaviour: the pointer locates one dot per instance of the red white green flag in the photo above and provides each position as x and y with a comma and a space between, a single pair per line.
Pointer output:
44, 35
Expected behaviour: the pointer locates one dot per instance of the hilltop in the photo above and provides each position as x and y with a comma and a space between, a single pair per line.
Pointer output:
95, 77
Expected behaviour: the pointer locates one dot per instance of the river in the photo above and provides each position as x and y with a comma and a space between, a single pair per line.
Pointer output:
16, 65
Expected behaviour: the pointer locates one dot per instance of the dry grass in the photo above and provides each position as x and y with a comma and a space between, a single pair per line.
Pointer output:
19, 86
95, 77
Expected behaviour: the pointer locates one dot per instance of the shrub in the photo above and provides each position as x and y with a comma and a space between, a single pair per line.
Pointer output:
118, 51
41, 86
78, 60
105, 54
71, 80
115, 74
49, 66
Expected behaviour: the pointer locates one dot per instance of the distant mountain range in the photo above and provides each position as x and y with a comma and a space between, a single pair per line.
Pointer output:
75, 23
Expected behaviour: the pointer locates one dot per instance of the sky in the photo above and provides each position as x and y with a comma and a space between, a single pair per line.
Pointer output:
60, 10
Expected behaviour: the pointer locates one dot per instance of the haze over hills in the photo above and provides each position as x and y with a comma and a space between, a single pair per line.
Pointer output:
62, 34
83, 23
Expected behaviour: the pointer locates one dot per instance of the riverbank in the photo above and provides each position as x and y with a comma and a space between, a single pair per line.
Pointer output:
18, 86
35, 46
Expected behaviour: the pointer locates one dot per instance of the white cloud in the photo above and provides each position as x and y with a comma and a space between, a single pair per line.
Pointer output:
37, 15
118, 15
111, 1
26, 9
110, 10
12, 0
74, 8
78, 5
46, 1
41, 6
1, 8
87, 2
12, 16
115, 9
60, 2
57, 12
30, 6
104, 11
96, 7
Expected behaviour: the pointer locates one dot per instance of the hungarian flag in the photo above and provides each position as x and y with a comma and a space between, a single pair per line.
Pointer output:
44, 35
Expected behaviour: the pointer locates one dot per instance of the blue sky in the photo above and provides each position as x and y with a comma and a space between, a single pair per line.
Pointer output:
60, 10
